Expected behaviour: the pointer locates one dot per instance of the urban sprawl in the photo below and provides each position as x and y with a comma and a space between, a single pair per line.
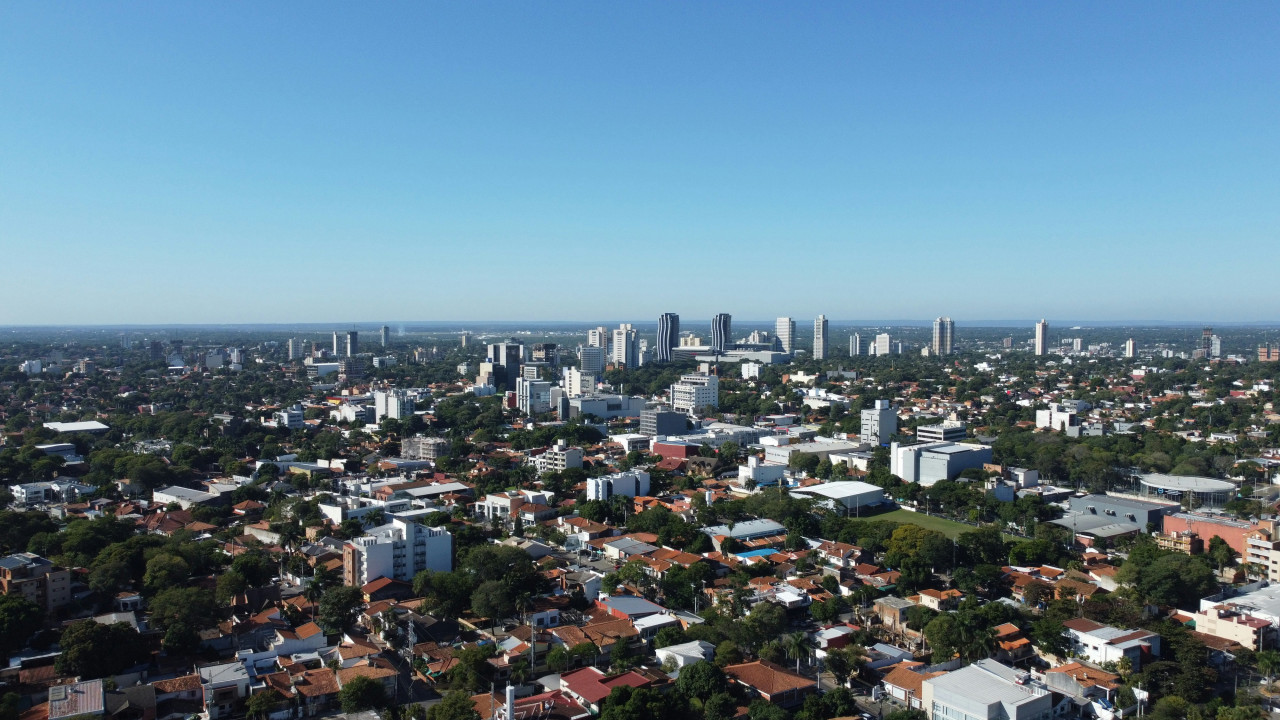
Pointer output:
641, 522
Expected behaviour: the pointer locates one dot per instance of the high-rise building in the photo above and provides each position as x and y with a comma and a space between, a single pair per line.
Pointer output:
598, 337
337, 347
721, 332
353, 343
943, 336
626, 350
668, 336
785, 329
1130, 348
694, 392
591, 359
295, 348
533, 397
398, 550
1042, 336
855, 345
507, 358
820, 337
881, 346
578, 382
394, 404
385, 335
465, 339
879, 423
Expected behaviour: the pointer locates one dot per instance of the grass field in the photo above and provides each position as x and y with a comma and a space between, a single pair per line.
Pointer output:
950, 528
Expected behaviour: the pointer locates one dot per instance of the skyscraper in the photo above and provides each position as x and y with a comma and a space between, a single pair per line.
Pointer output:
598, 337
881, 345
1130, 348
353, 343
820, 337
1042, 336
508, 356
668, 335
785, 329
626, 350
721, 332
295, 348
855, 345
386, 335
337, 349
943, 336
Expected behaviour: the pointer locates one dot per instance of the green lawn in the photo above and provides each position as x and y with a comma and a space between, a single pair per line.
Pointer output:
950, 528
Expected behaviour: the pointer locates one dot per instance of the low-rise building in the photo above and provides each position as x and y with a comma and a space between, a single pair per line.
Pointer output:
986, 690
1100, 643
398, 550
36, 579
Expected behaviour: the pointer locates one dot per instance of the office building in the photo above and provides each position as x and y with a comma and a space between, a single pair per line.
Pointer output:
662, 422
633, 483
606, 407
290, 418
353, 343
695, 392
930, 463
465, 339
578, 383
625, 350
721, 332
548, 353
1042, 337
385, 335
506, 358
881, 346
533, 397
943, 336
879, 423
820, 338
668, 336
36, 579
855, 345
398, 551
1130, 348
394, 404
947, 431
785, 329
598, 337
591, 359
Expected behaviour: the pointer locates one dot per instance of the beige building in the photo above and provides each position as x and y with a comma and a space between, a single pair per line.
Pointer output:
36, 579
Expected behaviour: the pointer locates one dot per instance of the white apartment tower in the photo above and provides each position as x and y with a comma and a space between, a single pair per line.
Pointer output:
694, 392
398, 551
881, 346
855, 345
820, 337
1042, 336
1130, 348
879, 423
785, 329
626, 351
943, 336
391, 404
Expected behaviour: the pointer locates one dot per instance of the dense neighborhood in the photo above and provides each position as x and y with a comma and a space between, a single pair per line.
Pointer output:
603, 525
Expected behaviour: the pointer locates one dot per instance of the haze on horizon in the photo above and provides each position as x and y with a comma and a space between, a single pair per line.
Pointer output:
168, 164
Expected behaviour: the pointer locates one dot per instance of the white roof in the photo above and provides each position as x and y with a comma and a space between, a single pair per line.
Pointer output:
71, 427
841, 489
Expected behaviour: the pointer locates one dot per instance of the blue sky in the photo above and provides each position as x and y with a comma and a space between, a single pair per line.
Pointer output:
296, 162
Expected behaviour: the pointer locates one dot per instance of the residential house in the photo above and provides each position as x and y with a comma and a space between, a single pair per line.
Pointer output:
773, 683
1098, 643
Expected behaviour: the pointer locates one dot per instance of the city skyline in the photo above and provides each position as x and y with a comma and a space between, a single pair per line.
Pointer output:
166, 148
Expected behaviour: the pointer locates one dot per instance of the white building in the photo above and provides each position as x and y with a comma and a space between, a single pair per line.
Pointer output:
986, 690
289, 418
1100, 643
785, 329
533, 397
844, 494
395, 404
947, 431
694, 392
881, 345
632, 483
606, 407
625, 350
353, 413
879, 423
578, 383
929, 463
559, 457
1042, 336
855, 345
943, 336
398, 550
758, 474
31, 367
1057, 417
1130, 348
820, 338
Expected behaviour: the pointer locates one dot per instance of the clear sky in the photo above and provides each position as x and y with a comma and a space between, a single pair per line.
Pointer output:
305, 161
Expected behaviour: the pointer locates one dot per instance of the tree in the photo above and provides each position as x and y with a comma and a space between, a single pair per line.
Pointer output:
260, 704
338, 608
492, 600
361, 693
1221, 553
456, 705
93, 650
701, 680
727, 653
230, 584
796, 645
846, 661
19, 619
188, 606
1268, 662
165, 571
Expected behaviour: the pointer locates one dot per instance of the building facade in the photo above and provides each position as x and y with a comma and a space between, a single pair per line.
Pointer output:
1042, 337
398, 550
721, 332
943, 336
785, 330
668, 336
820, 337
695, 391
